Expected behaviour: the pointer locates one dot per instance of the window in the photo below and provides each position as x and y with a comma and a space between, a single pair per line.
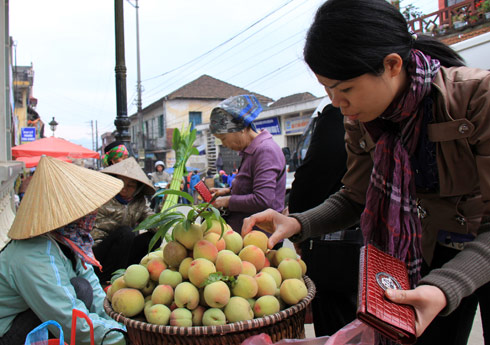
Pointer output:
195, 118
160, 126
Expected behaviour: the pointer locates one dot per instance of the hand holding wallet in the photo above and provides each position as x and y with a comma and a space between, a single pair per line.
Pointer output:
203, 191
379, 271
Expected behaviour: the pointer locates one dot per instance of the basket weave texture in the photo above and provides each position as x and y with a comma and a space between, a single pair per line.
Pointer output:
286, 324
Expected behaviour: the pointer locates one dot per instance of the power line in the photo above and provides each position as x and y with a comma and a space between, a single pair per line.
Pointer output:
221, 44
178, 78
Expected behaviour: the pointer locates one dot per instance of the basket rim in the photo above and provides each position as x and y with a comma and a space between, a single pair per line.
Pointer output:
220, 329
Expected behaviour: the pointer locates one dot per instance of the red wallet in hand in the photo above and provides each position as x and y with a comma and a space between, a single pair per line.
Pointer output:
203, 191
377, 272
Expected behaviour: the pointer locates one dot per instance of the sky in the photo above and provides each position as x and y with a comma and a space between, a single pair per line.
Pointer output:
253, 44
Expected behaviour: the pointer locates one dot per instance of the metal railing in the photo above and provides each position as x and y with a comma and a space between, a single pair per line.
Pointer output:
443, 21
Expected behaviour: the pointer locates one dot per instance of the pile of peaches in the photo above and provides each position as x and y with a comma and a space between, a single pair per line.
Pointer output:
209, 275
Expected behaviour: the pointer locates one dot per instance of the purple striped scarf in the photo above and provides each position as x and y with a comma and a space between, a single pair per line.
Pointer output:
390, 218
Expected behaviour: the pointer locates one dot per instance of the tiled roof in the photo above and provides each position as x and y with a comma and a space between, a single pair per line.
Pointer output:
206, 87
297, 97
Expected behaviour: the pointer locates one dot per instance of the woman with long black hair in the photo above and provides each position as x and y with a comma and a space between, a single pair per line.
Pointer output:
418, 143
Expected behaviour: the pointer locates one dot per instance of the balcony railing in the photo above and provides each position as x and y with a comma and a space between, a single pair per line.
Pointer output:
443, 21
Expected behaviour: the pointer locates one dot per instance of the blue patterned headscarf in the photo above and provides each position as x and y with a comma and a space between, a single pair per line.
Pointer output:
76, 236
235, 114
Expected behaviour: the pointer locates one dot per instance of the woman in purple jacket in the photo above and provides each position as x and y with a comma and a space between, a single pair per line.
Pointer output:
261, 180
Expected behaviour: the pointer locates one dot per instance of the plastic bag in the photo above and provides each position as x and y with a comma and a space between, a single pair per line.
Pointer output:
354, 333
39, 335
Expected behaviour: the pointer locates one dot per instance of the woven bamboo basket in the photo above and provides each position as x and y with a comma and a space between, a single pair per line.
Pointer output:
286, 324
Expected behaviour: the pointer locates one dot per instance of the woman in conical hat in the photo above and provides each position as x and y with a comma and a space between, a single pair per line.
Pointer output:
46, 269
116, 245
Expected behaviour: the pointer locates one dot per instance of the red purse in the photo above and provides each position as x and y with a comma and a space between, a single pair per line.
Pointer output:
377, 272
203, 191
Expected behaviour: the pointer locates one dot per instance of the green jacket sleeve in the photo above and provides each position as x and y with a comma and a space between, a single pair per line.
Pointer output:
42, 278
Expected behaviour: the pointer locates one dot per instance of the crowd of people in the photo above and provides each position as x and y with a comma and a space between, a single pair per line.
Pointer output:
399, 159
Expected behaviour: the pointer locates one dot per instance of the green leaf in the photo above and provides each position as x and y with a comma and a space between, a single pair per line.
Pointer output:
149, 221
218, 276
194, 151
179, 193
117, 274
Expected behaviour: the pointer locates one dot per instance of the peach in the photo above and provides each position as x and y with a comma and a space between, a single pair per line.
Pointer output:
228, 263
253, 254
197, 315
274, 272
199, 270
238, 309
213, 317
290, 268
217, 294
148, 289
205, 249
303, 266
266, 305
283, 252
117, 285
181, 317
184, 267
215, 239
163, 294
129, 302
170, 277
266, 283
187, 237
245, 286
215, 227
158, 314
248, 268
136, 276
152, 255
186, 295
174, 253
233, 240
270, 255
155, 266
293, 290
256, 238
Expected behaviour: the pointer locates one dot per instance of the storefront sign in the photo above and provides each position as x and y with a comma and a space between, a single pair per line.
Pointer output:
272, 125
296, 124
27, 134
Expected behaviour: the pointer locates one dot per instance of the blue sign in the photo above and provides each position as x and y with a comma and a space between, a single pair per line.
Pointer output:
272, 125
27, 134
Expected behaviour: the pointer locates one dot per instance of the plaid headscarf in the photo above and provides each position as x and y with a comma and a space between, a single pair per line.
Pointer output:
116, 152
234, 114
76, 235
390, 218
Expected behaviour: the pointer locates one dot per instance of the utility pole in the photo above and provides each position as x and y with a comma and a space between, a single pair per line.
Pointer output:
139, 102
92, 127
122, 121
97, 161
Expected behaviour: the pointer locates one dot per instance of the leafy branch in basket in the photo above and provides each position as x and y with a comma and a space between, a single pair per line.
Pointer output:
182, 143
170, 217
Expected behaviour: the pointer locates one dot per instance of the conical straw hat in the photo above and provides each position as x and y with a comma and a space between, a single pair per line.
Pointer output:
130, 168
58, 194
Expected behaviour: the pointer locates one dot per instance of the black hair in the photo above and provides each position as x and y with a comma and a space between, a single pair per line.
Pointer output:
349, 38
